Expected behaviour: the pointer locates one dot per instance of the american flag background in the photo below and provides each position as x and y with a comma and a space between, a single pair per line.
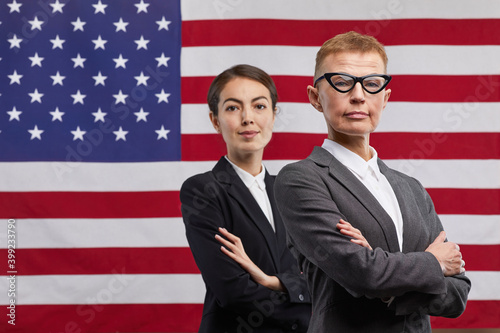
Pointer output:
103, 116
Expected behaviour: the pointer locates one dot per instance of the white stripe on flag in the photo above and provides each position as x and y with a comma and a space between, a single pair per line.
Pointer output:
97, 233
397, 117
299, 60
170, 232
472, 229
338, 10
118, 288
122, 288
169, 176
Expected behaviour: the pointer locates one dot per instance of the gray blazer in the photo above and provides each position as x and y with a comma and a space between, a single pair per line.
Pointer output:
347, 281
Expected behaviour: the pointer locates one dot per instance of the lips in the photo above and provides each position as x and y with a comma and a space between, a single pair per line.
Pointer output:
248, 134
357, 115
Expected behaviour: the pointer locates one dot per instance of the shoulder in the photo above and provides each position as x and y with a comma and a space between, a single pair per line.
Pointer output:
400, 176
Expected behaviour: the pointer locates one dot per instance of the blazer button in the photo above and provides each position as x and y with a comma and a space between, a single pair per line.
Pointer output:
295, 326
301, 297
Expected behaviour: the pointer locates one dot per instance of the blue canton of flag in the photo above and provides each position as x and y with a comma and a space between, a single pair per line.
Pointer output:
92, 81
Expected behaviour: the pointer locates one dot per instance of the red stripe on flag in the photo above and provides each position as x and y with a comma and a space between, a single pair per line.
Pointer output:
471, 89
164, 260
481, 257
478, 314
389, 145
179, 318
447, 201
99, 318
314, 33
171, 260
466, 201
89, 204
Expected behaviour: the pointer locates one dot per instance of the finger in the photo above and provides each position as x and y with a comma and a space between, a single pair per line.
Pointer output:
344, 222
226, 243
440, 238
227, 234
362, 243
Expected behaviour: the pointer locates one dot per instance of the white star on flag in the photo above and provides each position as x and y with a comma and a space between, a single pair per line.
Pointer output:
78, 61
14, 6
78, 134
36, 96
36, 60
163, 24
99, 79
99, 43
120, 97
142, 43
78, 97
14, 114
15, 78
57, 7
78, 24
121, 26
57, 42
99, 115
36, 133
36, 24
15, 42
100, 8
162, 60
56, 114
120, 134
162, 133
141, 115
142, 79
58, 79
120, 61
142, 7
162, 97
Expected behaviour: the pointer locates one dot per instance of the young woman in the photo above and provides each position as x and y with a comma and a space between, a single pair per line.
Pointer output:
235, 233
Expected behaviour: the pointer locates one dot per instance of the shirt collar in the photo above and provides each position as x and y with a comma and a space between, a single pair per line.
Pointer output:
247, 178
352, 160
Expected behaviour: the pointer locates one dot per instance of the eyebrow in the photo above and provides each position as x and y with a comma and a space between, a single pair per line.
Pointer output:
230, 99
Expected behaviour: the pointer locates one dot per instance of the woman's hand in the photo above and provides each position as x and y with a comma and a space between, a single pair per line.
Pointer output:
448, 254
347, 229
233, 248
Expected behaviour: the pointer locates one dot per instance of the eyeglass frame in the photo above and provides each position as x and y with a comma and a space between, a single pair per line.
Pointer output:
328, 76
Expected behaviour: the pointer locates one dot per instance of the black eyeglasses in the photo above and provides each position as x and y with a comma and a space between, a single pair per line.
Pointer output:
342, 82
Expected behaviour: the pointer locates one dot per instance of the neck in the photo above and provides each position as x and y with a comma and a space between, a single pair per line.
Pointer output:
250, 162
359, 145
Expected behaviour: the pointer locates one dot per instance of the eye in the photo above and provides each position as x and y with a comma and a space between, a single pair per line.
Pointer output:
260, 106
231, 108
374, 83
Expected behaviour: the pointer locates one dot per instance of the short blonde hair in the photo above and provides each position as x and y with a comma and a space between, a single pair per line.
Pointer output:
349, 42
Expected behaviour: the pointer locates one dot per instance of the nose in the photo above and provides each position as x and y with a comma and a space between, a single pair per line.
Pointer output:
247, 117
357, 93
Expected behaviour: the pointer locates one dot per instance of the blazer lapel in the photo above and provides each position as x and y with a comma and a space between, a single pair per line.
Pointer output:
278, 223
344, 176
407, 205
225, 173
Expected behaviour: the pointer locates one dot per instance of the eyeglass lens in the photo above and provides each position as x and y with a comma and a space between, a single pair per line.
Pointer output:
345, 83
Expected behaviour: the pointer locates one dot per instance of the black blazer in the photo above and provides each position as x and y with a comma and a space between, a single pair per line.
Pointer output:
233, 301
348, 281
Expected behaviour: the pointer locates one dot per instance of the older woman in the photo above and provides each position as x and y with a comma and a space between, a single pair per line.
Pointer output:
412, 272
258, 287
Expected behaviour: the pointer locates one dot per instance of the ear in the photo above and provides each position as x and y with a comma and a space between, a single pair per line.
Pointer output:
215, 121
313, 95
386, 97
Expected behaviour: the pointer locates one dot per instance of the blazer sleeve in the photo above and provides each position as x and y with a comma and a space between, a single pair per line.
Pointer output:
203, 213
310, 216
450, 303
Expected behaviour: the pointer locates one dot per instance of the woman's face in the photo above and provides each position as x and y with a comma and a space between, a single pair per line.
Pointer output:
355, 113
245, 117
